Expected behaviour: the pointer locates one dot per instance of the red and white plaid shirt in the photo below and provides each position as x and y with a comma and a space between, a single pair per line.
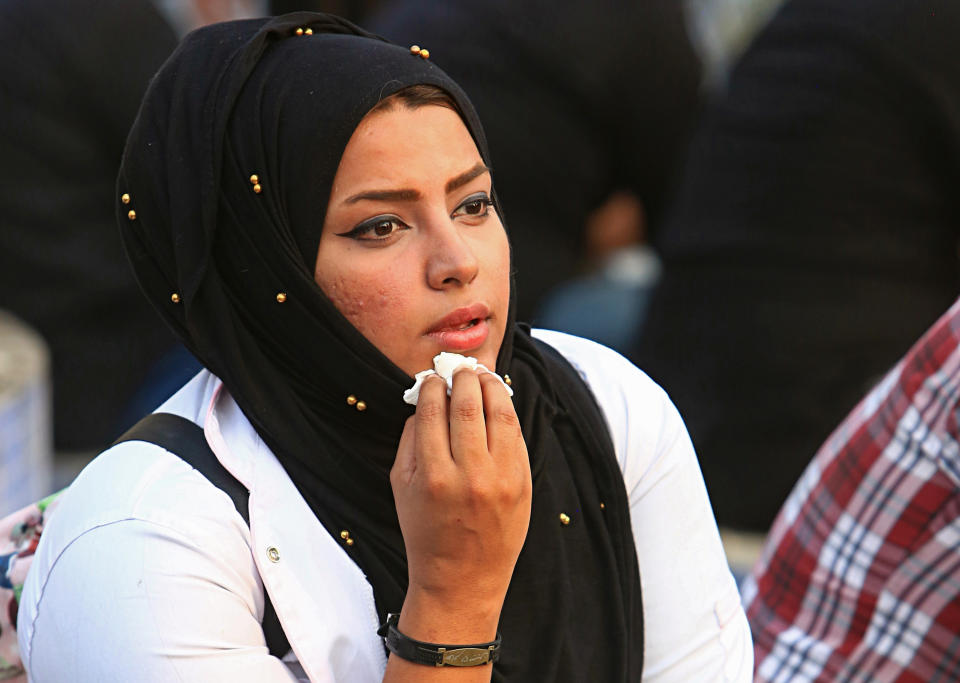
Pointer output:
860, 576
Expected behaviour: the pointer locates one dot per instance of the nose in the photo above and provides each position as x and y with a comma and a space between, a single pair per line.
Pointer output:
451, 261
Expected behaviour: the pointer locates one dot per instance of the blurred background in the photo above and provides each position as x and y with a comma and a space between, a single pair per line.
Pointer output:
754, 200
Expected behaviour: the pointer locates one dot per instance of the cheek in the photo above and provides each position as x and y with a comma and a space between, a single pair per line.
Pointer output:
498, 256
376, 307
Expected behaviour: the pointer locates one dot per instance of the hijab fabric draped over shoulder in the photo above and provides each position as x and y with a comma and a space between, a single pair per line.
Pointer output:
221, 199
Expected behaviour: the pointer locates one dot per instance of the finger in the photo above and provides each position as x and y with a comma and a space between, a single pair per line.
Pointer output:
431, 427
468, 435
405, 464
502, 424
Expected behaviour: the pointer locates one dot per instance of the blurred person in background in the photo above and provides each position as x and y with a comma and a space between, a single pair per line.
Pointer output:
607, 299
813, 239
860, 576
586, 105
73, 77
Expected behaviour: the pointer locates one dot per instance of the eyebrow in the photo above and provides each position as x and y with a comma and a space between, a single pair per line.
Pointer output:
464, 178
405, 195
384, 196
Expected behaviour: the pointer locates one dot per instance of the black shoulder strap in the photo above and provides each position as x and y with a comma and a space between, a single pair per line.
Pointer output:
185, 439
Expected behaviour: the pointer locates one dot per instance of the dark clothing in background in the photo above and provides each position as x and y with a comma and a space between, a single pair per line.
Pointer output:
577, 99
351, 10
70, 85
814, 237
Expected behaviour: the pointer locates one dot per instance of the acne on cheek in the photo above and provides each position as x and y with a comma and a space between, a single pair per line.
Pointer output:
348, 299
365, 307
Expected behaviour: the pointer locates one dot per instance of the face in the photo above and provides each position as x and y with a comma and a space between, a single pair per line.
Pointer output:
412, 252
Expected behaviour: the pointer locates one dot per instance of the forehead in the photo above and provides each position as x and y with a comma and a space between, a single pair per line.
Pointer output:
407, 145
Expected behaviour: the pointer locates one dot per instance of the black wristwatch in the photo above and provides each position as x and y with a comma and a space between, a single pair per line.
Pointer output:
432, 654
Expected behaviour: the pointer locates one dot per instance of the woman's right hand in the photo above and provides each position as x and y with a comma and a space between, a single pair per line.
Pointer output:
462, 486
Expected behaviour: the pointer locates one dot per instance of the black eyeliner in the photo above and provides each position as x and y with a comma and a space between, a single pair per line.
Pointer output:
368, 225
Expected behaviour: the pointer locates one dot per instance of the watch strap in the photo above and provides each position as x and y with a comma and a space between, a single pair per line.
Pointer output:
433, 654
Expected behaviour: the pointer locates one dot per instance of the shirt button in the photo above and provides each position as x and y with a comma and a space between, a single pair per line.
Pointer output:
273, 554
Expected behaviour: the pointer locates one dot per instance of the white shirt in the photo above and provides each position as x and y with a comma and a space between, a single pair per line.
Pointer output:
148, 573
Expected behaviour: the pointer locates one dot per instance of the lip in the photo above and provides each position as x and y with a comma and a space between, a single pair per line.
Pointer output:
449, 336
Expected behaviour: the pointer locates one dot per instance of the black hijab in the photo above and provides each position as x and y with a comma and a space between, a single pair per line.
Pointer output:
231, 271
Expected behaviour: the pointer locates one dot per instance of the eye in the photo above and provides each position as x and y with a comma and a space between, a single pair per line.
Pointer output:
376, 229
476, 205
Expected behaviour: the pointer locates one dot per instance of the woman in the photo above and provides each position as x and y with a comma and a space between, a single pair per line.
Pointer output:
311, 210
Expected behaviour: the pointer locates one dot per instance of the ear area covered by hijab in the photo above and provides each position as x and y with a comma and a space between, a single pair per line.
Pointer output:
221, 198
220, 111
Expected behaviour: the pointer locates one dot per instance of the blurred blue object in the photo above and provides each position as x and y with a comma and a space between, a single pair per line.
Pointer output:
166, 376
608, 306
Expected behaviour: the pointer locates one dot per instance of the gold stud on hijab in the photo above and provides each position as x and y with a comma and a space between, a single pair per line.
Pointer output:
417, 50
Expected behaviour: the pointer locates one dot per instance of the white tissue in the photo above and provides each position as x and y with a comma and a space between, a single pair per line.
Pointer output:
445, 364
